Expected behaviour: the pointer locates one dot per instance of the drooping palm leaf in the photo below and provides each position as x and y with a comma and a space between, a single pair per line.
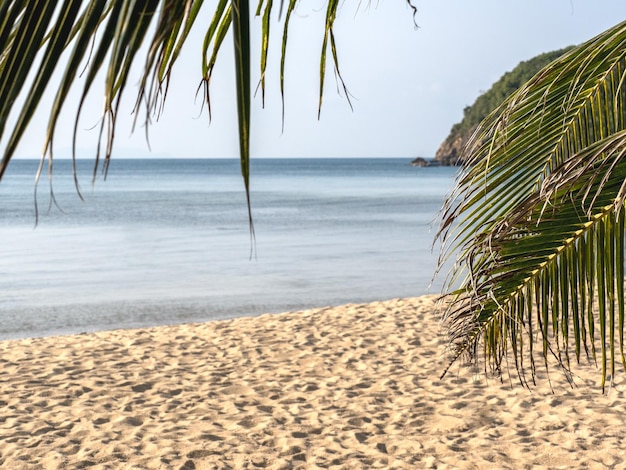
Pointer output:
329, 37
222, 19
290, 8
23, 31
241, 35
265, 37
537, 219
95, 37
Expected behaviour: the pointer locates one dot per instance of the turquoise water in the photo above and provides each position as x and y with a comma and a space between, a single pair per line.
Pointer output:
168, 241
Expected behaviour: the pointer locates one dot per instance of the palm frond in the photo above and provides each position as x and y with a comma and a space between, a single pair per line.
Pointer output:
241, 35
329, 41
106, 37
537, 219
290, 8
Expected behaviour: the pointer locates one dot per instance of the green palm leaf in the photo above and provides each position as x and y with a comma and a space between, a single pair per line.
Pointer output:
537, 219
108, 36
241, 35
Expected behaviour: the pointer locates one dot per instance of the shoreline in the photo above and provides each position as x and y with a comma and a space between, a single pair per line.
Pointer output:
152, 314
354, 386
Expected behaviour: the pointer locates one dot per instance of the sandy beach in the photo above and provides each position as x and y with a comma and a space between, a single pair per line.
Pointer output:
350, 387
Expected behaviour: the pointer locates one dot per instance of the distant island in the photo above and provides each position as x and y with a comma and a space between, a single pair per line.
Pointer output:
449, 153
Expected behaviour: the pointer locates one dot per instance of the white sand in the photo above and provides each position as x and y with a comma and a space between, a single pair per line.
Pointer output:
352, 387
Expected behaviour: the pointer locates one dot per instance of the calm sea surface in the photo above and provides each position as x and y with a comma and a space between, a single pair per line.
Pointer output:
168, 241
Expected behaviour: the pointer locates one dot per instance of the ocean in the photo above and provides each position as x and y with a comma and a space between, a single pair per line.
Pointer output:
168, 241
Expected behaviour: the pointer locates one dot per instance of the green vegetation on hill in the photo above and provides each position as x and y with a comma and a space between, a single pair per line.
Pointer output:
499, 91
488, 101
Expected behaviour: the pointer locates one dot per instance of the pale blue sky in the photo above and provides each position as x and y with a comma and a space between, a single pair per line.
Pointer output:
409, 86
